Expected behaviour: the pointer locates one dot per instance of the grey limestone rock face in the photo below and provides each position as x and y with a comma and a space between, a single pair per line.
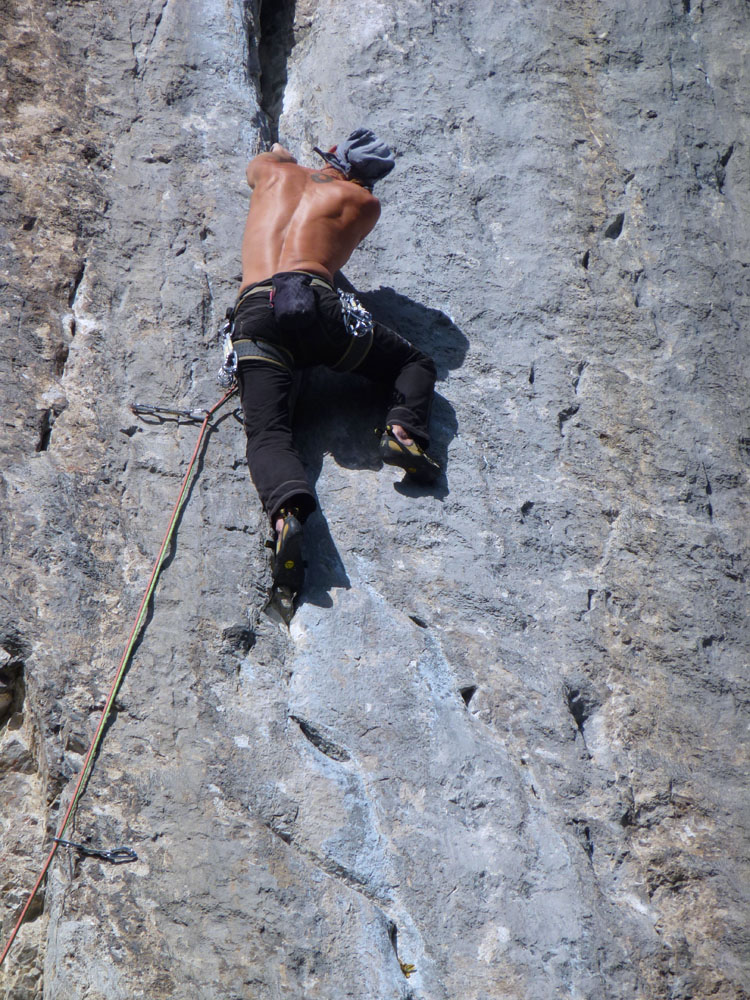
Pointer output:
501, 751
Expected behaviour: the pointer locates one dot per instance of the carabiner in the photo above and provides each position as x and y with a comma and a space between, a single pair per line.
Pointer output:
117, 856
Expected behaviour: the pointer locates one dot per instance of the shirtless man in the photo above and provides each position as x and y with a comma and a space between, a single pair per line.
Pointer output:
302, 227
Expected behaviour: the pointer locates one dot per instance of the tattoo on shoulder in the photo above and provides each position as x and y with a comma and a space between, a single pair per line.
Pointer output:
322, 178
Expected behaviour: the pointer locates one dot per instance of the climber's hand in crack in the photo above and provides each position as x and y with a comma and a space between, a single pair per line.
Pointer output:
282, 154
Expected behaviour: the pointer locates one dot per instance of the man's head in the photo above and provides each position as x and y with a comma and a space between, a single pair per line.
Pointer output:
361, 157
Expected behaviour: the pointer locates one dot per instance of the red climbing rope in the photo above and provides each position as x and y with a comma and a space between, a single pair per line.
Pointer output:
135, 632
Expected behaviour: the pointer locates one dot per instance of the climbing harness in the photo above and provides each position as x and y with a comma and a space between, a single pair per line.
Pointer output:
117, 856
358, 322
135, 632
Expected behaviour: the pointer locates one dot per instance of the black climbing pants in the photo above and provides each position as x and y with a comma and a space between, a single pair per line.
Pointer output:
265, 382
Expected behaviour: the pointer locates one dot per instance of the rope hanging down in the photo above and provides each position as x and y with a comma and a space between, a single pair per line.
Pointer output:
135, 632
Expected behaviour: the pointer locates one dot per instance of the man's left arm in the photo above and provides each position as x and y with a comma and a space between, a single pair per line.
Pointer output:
276, 154
280, 154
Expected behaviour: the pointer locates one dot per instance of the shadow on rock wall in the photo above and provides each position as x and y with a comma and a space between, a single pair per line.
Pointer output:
342, 415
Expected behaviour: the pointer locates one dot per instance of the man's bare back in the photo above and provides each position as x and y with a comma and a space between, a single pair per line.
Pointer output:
302, 219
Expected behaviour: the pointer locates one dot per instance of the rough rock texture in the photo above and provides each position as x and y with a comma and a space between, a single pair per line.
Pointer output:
504, 740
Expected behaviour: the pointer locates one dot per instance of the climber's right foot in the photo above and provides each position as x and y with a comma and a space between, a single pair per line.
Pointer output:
410, 457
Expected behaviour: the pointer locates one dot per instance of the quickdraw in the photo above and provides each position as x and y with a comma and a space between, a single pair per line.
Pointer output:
148, 409
117, 856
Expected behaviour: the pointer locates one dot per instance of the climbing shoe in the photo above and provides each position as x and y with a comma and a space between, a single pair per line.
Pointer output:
411, 458
286, 563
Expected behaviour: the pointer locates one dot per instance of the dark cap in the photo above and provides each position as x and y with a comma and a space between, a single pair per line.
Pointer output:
361, 157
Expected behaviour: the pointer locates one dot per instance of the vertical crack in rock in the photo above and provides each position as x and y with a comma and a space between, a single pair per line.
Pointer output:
393, 935
62, 349
157, 21
207, 304
276, 31
588, 842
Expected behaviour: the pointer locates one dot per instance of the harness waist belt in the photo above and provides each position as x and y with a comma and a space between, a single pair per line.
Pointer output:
266, 286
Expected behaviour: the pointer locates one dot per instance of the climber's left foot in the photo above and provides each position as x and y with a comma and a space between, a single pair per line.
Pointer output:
287, 564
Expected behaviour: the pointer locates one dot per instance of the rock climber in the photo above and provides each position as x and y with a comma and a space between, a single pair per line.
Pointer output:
302, 227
